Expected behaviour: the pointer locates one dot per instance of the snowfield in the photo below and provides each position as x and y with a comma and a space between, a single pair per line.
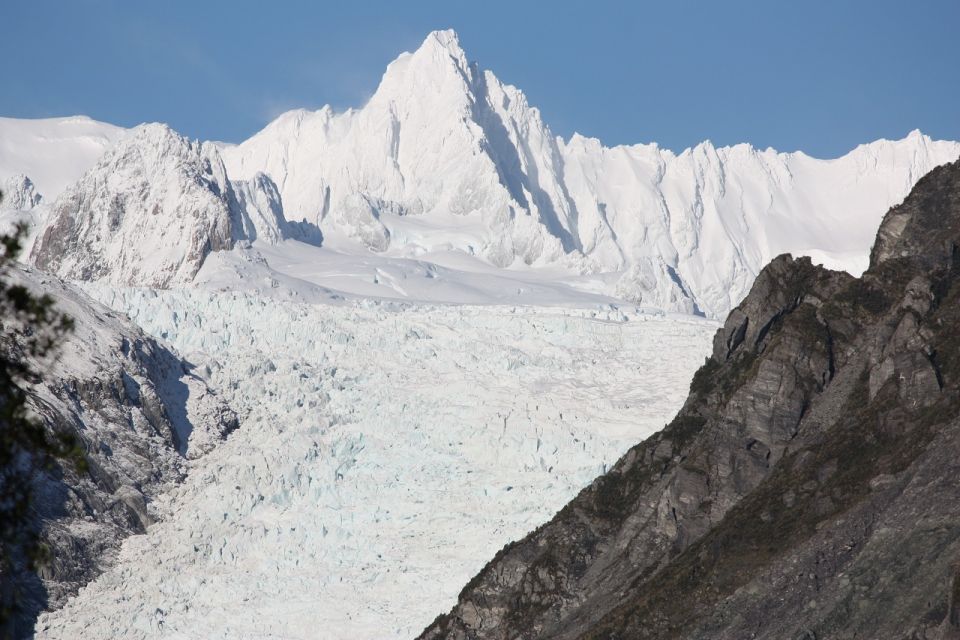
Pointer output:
385, 453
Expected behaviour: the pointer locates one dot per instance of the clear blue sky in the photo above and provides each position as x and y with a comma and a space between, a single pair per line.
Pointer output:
813, 75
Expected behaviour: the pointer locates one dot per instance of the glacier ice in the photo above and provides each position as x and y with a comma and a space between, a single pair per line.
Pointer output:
385, 452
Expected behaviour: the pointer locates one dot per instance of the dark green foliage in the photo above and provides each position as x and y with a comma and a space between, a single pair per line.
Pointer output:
703, 380
30, 330
684, 428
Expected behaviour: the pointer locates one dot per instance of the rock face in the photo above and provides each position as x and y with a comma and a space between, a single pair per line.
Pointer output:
147, 214
19, 193
807, 489
139, 412
260, 208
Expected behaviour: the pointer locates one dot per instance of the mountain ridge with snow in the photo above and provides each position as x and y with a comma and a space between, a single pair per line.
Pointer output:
446, 164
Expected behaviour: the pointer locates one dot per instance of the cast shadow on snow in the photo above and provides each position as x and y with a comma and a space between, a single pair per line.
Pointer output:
306, 232
511, 173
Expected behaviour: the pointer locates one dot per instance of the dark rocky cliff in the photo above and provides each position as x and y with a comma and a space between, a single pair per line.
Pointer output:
809, 487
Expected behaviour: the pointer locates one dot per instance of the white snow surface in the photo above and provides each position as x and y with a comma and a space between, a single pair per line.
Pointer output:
385, 453
446, 158
53, 152
447, 166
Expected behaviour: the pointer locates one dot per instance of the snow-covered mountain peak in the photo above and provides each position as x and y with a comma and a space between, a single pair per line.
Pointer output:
440, 52
147, 214
446, 39
445, 161
438, 140
436, 78
442, 47
446, 158
159, 144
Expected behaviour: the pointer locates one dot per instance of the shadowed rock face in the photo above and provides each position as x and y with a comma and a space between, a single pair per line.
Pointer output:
808, 487
139, 414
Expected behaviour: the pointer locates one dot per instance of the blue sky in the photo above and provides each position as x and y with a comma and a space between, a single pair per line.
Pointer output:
812, 75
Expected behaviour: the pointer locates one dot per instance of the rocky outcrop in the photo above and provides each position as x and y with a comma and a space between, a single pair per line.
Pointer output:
147, 214
805, 490
259, 210
139, 413
19, 193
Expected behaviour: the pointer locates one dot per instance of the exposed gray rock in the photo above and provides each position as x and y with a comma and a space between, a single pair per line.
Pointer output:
807, 488
147, 214
137, 410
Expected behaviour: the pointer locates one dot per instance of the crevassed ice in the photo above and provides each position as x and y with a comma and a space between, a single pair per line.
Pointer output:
384, 455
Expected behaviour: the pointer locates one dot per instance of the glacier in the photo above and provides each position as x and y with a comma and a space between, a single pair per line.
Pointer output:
385, 451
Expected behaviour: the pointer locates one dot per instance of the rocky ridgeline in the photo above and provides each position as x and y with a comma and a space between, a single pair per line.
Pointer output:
150, 212
807, 488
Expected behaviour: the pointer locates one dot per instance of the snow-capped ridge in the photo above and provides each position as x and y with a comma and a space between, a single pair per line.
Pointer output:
19, 193
445, 159
154, 189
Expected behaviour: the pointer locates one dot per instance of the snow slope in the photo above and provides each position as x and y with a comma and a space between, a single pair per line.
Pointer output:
53, 152
355, 500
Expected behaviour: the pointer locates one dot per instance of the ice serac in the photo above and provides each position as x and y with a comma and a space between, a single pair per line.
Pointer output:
139, 412
807, 487
147, 214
